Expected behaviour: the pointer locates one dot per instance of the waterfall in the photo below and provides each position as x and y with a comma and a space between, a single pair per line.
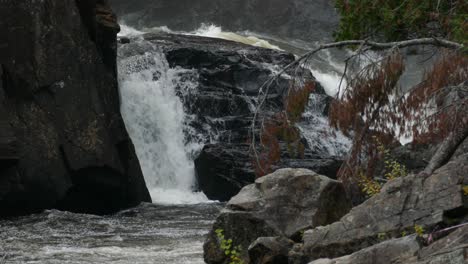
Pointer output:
155, 119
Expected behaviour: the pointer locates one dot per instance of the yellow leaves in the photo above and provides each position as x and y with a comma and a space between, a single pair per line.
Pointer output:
465, 190
419, 230
392, 167
369, 186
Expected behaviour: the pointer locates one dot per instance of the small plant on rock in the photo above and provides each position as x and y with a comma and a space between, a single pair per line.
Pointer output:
419, 230
232, 252
393, 170
382, 236
369, 186
465, 190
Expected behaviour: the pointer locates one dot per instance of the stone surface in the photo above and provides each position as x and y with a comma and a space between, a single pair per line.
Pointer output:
451, 249
270, 250
63, 143
422, 200
385, 252
280, 204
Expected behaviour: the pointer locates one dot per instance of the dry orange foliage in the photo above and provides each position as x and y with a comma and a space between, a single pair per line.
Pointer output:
280, 127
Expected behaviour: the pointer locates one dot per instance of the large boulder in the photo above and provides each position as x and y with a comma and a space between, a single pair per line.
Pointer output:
283, 203
63, 143
416, 200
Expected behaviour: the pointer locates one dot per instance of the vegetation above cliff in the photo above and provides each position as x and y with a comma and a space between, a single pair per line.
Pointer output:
392, 20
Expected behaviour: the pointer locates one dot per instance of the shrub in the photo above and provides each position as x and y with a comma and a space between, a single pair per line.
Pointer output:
419, 230
393, 169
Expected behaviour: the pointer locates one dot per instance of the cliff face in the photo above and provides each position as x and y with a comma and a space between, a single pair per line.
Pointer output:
63, 143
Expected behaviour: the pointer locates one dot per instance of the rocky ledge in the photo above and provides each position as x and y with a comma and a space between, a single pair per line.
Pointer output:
63, 143
419, 218
280, 206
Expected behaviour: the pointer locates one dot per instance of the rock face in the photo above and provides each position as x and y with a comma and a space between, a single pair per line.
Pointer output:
283, 203
284, 19
451, 249
385, 252
63, 143
427, 201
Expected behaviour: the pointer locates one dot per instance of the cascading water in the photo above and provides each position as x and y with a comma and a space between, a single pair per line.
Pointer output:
156, 121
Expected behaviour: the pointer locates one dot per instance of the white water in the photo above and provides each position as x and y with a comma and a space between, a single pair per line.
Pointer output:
155, 119
205, 30
213, 31
154, 115
318, 132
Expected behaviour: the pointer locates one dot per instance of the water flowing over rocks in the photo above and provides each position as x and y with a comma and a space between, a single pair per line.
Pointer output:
283, 203
226, 78
283, 19
63, 143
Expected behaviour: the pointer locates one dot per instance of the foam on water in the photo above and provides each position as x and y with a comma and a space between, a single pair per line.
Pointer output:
317, 131
150, 233
126, 31
214, 31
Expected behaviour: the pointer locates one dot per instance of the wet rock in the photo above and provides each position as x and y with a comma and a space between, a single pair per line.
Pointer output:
270, 250
280, 204
63, 143
223, 169
427, 201
227, 77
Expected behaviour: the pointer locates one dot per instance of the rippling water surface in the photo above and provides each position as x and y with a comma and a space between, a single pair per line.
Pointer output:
147, 234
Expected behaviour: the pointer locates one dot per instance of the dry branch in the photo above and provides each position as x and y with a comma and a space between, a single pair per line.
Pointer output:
363, 45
